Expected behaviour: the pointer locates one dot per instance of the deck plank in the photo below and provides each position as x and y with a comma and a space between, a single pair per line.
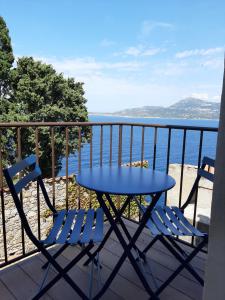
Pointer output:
110, 255
5, 293
21, 280
19, 283
81, 276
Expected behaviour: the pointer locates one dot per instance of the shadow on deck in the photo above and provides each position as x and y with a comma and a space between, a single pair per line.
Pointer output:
20, 281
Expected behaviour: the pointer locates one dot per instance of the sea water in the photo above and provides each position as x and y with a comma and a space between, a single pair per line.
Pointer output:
191, 145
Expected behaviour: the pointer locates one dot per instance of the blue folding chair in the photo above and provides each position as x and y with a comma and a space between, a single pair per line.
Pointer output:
167, 223
70, 227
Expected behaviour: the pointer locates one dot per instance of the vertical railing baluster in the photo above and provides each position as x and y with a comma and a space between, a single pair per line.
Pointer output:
67, 167
142, 145
19, 157
131, 143
196, 194
79, 162
91, 162
79, 148
120, 145
155, 148
91, 147
38, 188
120, 158
182, 166
110, 145
3, 204
101, 144
131, 158
168, 157
53, 165
142, 159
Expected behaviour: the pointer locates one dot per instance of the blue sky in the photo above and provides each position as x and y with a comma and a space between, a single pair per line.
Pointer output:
128, 53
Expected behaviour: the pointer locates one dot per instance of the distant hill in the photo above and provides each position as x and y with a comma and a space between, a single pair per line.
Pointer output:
188, 108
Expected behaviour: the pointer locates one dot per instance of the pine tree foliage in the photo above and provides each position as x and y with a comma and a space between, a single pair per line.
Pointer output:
35, 92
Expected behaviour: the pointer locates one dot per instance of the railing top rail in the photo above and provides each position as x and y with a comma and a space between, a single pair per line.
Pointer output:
71, 124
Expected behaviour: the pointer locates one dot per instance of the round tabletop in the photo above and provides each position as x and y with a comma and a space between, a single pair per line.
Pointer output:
125, 180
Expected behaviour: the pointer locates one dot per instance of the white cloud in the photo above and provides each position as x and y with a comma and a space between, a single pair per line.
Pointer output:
89, 66
112, 94
152, 51
133, 51
140, 50
216, 98
148, 26
171, 68
107, 43
216, 63
206, 96
199, 52
202, 96
111, 86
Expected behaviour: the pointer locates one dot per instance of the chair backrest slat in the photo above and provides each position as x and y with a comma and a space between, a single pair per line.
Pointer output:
208, 161
206, 174
16, 188
22, 183
20, 166
202, 172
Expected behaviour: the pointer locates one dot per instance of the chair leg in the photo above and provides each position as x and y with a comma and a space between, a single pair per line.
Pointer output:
64, 248
98, 265
62, 273
98, 272
55, 255
155, 239
91, 280
184, 264
179, 249
185, 255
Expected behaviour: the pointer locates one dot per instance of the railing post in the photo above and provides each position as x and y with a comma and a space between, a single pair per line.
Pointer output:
3, 204
155, 146
182, 166
67, 166
120, 145
19, 157
53, 165
168, 157
110, 145
101, 144
142, 145
79, 162
38, 188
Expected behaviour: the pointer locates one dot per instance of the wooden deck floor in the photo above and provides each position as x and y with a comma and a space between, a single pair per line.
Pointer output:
21, 280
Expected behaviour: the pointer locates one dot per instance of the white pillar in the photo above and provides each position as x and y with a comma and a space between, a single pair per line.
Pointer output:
215, 268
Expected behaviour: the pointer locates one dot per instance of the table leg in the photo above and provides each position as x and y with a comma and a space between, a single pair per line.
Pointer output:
108, 233
116, 211
127, 247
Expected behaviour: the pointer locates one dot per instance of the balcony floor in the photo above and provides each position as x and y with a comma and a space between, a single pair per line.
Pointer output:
20, 281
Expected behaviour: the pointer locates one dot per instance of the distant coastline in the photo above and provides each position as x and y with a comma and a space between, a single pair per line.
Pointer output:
147, 117
187, 109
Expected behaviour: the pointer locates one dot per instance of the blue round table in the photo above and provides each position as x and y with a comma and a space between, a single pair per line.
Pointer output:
129, 181
125, 180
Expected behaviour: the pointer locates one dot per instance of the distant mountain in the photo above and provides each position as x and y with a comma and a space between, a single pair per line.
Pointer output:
188, 108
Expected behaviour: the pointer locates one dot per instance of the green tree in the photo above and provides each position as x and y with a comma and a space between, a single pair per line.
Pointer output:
6, 60
39, 94
34, 92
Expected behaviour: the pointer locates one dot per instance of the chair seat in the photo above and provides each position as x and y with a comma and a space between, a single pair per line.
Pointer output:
170, 221
76, 226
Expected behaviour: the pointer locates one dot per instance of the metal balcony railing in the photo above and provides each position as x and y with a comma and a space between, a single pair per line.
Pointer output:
108, 143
